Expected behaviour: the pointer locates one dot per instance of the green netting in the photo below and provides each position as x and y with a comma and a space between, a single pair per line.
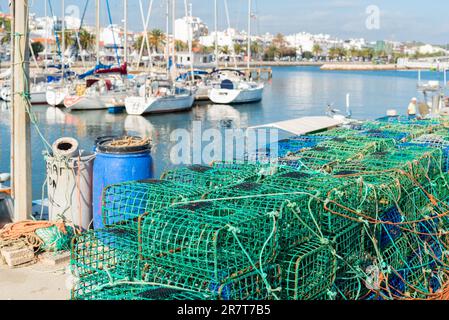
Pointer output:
143, 292
314, 190
104, 256
245, 231
297, 220
308, 271
216, 241
208, 178
349, 245
349, 286
124, 203
252, 285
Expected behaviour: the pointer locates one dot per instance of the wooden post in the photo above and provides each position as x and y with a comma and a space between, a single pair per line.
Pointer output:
21, 123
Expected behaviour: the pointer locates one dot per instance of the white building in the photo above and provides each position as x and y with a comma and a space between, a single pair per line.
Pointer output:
182, 27
183, 58
304, 42
112, 35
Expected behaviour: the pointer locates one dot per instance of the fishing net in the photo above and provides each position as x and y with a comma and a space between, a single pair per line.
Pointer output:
349, 213
124, 203
215, 241
257, 284
142, 292
295, 225
208, 178
308, 271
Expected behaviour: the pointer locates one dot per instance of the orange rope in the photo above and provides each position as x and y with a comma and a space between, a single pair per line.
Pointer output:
26, 229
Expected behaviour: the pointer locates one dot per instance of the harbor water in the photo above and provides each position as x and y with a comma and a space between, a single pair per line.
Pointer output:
293, 92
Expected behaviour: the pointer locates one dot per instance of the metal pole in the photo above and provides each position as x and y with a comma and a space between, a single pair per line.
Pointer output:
174, 31
97, 45
21, 124
216, 32
191, 41
125, 4
46, 37
249, 34
63, 43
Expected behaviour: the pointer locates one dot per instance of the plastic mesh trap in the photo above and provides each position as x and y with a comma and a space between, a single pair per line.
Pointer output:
348, 244
245, 286
209, 239
308, 271
124, 203
142, 292
99, 257
296, 223
207, 178
318, 188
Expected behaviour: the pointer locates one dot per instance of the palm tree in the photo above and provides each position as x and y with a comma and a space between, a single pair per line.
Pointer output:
279, 40
238, 48
225, 50
181, 46
6, 26
87, 40
157, 38
256, 49
317, 50
333, 52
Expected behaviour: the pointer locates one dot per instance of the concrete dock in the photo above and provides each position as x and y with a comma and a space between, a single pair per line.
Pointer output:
35, 282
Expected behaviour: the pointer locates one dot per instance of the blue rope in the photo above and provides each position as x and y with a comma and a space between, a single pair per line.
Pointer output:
112, 29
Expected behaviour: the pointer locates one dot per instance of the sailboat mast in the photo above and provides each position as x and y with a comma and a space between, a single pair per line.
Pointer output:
249, 35
63, 42
97, 45
167, 26
46, 37
125, 46
174, 32
191, 41
216, 32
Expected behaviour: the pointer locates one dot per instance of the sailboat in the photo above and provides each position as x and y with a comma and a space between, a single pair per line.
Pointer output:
98, 92
238, 90
161, 95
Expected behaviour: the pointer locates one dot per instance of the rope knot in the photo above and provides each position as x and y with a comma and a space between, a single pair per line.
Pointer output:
273, 214
233, 229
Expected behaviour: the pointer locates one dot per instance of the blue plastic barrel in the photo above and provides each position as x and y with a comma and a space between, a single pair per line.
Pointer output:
116, 165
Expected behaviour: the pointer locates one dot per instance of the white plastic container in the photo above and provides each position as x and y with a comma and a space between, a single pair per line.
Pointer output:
69, 185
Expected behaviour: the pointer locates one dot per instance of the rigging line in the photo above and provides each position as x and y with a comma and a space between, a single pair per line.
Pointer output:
112, 30
54, 29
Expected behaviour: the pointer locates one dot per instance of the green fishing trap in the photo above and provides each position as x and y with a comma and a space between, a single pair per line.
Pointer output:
208, 178
216, 241
123, 203
308, 271
142, 292
348, 245
350, 286
102, 257
297, 214
255, 284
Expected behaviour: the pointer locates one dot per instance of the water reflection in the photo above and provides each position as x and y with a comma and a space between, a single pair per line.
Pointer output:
294, 92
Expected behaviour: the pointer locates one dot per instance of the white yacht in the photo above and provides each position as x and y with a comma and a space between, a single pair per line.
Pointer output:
159, 96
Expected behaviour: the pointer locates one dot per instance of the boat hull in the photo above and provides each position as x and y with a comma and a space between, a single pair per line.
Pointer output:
55, 96
142, 105
235, 96
92, 102
38, 97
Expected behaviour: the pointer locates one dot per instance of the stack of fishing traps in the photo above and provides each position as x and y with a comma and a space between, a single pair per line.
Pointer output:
350, 213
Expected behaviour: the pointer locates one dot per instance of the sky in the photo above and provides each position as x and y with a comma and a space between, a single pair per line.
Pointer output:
398, 20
